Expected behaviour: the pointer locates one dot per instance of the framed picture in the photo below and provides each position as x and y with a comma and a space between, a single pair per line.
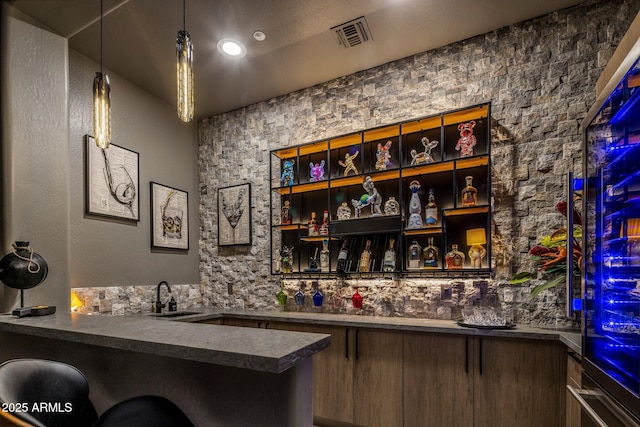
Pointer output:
234, 215
111, 181
169, 217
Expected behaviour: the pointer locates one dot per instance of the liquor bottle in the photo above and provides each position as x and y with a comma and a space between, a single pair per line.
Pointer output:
324, 227
285, 213
454, 258
389, 263
313, 225
469, 193
365, 258
431, 210
414, 255
430, 255
342, 258
324, 256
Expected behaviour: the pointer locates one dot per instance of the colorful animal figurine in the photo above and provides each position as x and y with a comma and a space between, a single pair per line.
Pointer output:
316, 171
348, 163
467, 139
424, 157
370, 198
287, 173
383, 156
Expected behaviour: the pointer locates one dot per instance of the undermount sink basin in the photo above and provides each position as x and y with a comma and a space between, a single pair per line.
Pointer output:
173, 314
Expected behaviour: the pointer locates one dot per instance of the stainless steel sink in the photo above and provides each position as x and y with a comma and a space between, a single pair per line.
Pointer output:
172, 314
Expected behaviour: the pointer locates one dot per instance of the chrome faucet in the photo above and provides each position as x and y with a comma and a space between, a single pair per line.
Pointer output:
159, 305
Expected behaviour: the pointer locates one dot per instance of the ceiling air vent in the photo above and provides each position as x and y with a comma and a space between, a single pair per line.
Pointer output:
352, 33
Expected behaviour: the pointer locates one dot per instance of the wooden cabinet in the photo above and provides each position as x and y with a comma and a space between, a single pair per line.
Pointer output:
358, 379
482, 381
574, 379
446, 156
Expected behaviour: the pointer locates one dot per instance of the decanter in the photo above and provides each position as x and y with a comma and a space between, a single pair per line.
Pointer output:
431, 210
389, 263
414, 254
324, 255
454, 258
469, 193
391, 206
430, 255
365, 259
415, 207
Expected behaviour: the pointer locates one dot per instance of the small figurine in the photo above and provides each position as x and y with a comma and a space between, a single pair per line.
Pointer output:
316, 171
324, 227
424, 157
392, 207
348, 163
286, 259
343, 212
287, 173
371, 198
467, 139
285, 213
383, 156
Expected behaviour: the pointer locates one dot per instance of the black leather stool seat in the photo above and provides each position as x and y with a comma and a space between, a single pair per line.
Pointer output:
46, 393
144, 411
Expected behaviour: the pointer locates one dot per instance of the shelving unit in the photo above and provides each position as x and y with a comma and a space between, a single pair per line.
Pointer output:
393, 156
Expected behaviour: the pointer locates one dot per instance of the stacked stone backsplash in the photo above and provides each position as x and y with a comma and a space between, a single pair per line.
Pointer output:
540, 77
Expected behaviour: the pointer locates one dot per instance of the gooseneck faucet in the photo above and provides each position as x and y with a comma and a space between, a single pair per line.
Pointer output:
159, 305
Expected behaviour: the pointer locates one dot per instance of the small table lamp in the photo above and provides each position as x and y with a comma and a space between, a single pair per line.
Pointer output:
476, 237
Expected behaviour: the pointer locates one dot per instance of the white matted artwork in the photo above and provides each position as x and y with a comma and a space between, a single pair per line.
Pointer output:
234, 215
169, 217
111, 181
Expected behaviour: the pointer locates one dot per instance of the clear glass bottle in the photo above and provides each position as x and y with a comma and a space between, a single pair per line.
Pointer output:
431, 210
324, 255
342, 257
454, 258
430, 255
389, 263
469, 193
365, 258
414, 255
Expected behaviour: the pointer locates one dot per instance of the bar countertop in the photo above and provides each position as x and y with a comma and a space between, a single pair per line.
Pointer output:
255, 349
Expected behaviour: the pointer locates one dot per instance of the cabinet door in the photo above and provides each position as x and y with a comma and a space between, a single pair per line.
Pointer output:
247, 323
438, 380
574, 379
377, 378
519, 383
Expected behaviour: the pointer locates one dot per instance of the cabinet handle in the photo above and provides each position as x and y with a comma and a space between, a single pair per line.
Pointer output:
357, 332
480, 352
466, 355
346, 343
259, 324
266, 325
585, 405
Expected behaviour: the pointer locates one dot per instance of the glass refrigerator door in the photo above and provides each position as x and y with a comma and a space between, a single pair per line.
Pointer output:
612, 239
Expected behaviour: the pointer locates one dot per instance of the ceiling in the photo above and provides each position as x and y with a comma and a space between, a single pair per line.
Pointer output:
300, 50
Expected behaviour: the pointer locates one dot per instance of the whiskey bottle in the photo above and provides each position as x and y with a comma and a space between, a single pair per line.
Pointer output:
389, 263
431, 210
324, 256
342, 257
469, 193
414, 255
365, 258
454, 258
430, 255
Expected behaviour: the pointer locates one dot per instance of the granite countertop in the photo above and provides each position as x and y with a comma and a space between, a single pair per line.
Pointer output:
571, 337
256, 349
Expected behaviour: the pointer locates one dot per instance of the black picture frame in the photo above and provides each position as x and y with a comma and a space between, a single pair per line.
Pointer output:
112, 182
234, 215
169, 217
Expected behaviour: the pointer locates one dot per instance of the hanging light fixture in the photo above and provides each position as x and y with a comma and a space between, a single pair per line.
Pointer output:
101, 101
184, 53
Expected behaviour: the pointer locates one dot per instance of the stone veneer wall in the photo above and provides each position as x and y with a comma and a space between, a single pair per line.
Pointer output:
540, 77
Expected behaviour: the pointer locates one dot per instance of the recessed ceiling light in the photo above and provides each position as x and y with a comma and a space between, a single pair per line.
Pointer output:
259, 35
231, 48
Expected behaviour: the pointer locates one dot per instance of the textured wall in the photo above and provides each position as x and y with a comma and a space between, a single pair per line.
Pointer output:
540, 77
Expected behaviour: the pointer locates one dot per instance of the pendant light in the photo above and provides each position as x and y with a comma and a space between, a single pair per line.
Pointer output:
184, 54
101, 100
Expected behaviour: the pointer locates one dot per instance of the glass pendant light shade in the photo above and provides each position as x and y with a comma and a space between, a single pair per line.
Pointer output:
184, 52
101, 110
